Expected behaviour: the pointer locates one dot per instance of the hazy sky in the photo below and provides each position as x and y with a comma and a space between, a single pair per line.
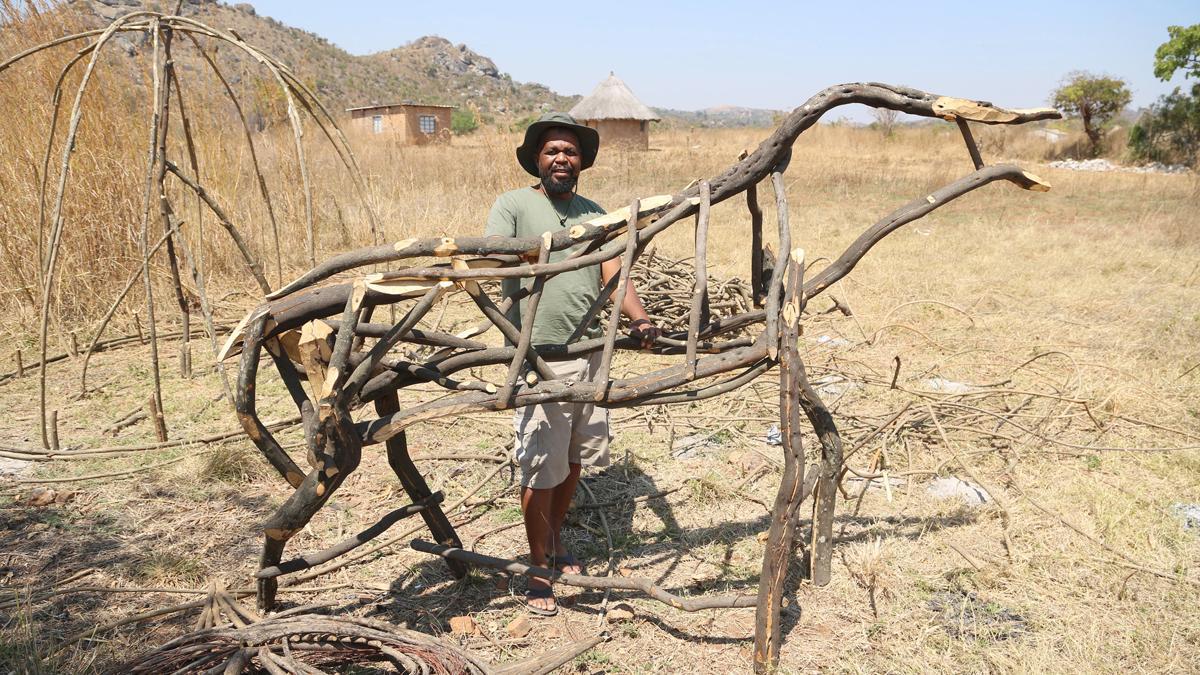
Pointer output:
697, 54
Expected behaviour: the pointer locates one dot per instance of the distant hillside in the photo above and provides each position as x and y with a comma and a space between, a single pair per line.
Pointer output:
429, 69
720, 116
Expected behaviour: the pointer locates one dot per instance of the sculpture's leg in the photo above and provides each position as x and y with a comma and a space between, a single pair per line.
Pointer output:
272, 553
825, 492
289, 519
414, 484
781, 535
247, 413
342, 449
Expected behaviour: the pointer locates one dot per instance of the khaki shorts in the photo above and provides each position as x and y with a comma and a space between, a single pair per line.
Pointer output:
551, 436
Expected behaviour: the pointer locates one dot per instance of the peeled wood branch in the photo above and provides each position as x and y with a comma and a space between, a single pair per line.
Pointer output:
918, 208
614, 318
700, 291
527, 322
553, 391
598, 227
756, 244
510, 332
775, 285
364, 369
791, 493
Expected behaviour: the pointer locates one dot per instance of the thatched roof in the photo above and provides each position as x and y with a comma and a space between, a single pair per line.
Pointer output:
612, 100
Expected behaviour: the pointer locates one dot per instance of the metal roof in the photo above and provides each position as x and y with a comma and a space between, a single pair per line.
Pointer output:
398, 105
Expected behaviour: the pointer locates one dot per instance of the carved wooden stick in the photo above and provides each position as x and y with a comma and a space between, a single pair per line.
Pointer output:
970, 141
527, 320
700, 291
780, 535
775, 289
493, 313
364, 369
631, 244
247, 413
756, 244
347, 545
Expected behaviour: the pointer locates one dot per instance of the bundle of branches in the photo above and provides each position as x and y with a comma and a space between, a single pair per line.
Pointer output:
305, 643
666, 287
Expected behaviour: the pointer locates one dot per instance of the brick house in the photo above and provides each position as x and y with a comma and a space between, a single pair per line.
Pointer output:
409, 123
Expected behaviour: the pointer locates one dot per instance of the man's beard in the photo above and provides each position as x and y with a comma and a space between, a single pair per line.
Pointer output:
555, 186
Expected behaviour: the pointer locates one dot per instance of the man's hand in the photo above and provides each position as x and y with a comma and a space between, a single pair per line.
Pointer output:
646, 331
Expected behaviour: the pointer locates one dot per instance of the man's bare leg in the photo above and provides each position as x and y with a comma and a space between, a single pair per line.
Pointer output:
536, 506
560, 503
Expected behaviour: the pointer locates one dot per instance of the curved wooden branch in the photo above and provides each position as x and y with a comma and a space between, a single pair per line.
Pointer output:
252, 263
782, 531
914, 210
749, 171
56, 220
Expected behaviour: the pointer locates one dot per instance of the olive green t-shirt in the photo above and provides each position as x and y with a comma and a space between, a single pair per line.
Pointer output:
566, 297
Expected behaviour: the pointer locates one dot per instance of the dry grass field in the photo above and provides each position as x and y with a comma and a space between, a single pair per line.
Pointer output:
1048, 348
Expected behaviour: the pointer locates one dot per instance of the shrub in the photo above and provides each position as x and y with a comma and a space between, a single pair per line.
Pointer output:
1169, 131
463, 122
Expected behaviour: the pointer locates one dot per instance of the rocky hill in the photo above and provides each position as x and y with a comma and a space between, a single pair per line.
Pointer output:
430, 69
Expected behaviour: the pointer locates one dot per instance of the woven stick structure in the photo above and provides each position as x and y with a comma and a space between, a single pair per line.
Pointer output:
309, 329
335, 361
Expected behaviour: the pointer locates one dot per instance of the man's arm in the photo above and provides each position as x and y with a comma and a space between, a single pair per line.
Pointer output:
631, 305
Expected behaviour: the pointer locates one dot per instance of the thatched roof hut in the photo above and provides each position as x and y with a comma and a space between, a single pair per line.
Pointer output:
613, 111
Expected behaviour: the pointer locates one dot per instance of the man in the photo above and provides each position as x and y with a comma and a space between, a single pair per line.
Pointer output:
554, 440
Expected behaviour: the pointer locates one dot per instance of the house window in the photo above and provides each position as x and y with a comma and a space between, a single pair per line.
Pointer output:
643, 127
428, 124
377, 124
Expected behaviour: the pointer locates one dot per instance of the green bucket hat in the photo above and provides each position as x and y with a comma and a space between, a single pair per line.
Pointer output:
589, 140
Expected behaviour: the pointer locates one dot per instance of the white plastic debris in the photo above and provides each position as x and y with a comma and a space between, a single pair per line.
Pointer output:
833, 385
774, 436
944, 386
1189, 515
877, 483
830, 341
957, 488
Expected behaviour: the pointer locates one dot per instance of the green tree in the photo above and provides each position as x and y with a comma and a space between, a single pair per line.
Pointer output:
1170, 130
463, 122
1180, 51
1094, 99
